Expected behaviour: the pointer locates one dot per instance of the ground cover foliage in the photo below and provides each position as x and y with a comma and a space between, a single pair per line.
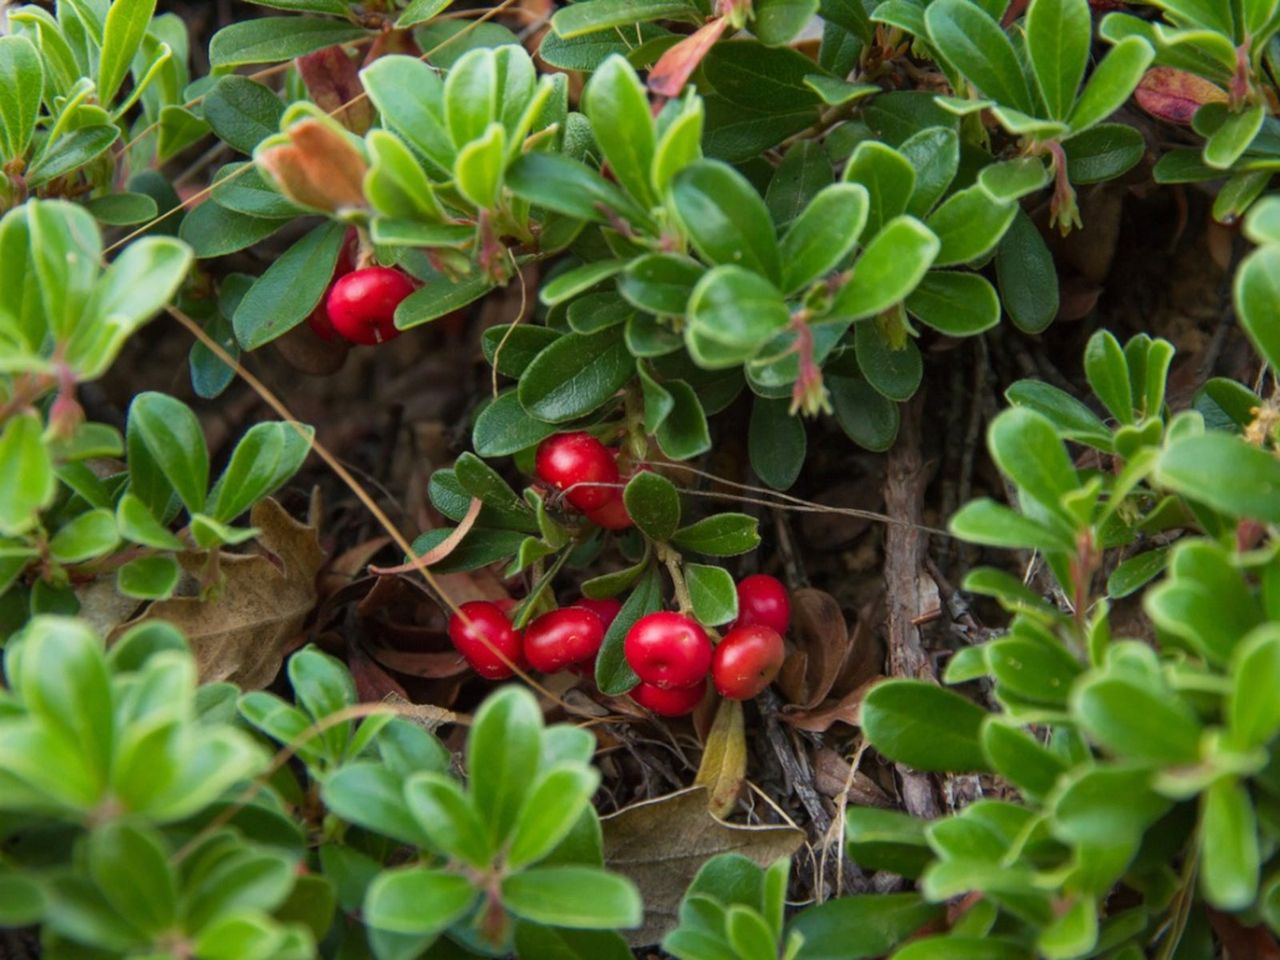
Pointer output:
719, 479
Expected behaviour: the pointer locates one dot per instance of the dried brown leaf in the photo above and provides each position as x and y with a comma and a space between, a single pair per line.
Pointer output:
242, 634
661, 843
724, 758
1175, 95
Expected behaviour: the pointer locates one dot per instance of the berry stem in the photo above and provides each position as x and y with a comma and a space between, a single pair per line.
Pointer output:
671, 559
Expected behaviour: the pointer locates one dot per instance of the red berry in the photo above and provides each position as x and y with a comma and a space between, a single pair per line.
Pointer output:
763, 600
674, 702
606, 609
578, 458
561, 638
668, 650
481, 640
362, 305
746, 661
612, 516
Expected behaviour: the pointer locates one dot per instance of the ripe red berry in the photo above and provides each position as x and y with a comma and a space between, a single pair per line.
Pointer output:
607, 609
488, 631
746, 661
764, 600
362, 305
578, 458
612, 516
562, 638
674, 702
668, 650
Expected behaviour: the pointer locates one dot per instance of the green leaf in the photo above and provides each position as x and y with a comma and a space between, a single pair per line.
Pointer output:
438, 296
552, 806
861, 927
27, 481
581, 898
533, 940
420, 11
1257, 297
720, 535
1254, 716
1229, 854
1027, 276
137, 524
969, 224
171, 434
264, 459
409, 96
1194, 466
889, 179
567, 186
21, 86
654, 504
1071, 418
776, 443
1012, 180
416, 900
568, 284
1134, 721
123, 209
1229, 142
711, 590
214, 231
126, 25
660, 282
679, 145
924, 726
737, 308
290, 288
1133, 574
616, 104
447, 815
370, 795
957, 304
1028, 451
503, 428
890, 267
725, 219
895, 372
502, 756
614, 675
1059, 33
70, 152
1108, 374
1020, 758
273, 39
600, 15
149, 578
1112, 82
575, 375
479, 167
150, 900
1103, 152
869, 418
778, 22
823, 234
91, 534
969, 39
684, 434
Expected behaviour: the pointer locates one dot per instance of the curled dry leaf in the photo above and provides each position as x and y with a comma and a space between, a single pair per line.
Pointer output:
661, 843
1175, 95
825, 676
724, 758
317, 166
242, 634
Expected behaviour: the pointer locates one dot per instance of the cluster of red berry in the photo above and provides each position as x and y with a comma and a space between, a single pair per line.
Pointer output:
567, 638
672, 655
587, 471
670, 652
360, 305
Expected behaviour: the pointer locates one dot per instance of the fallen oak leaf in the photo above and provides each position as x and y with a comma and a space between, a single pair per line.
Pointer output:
660, 845
242, 635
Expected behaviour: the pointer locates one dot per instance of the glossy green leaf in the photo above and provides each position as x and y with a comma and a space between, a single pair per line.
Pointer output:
273, 39
725, 219
503, 428
894, 371
126, 24
924, 726
1257, 297
654, 504
868, 417
149, 578
954, 303
572, 188
614, 675
290, 288
861, 927
1103, 152
91, 534
409, 95
969, 224
616, 104
1059, 33
553, 804
1108, 375
417, 900
1027, 276
27, 481
502, 756
737, 308
600, 15
21, 86
1111, 83
171, 434
1194, 467
711, 590
1133, 721
575, 375
447, 815
1229, 142
776, 443
823, 234
1229, 846
890, 267
1029, 452
972, 41
581, 898
889, 178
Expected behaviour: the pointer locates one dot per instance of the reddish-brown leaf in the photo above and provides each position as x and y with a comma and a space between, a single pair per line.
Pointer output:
333, 80
673, 69
1175, 95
